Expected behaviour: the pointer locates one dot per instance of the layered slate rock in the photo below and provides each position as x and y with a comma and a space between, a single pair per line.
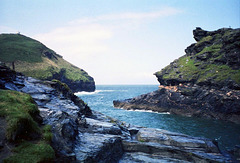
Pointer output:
82, 135
155, 145
205, 82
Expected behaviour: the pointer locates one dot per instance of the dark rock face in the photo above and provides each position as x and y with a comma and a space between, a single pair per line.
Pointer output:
199, 34
193, 101
75, 86
82, 135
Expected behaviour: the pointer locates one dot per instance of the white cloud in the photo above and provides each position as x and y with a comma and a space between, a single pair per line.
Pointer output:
128, 16
85, 36
76, 40
97, 44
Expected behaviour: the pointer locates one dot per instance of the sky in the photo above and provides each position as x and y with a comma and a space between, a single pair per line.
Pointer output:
117, 41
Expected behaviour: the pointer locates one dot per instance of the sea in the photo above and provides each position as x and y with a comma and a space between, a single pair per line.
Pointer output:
227, 133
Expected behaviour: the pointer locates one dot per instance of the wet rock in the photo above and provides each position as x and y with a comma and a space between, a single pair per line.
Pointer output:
136, 157
99, 148
173, 152
133, 130
174, 139
236, 152
103, 127
151, 135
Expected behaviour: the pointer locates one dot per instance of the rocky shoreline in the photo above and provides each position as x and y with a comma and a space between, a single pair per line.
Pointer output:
202, 83
191, 101
82, 135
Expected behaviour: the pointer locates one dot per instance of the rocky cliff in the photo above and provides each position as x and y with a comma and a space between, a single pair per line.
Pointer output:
205, 82
82, 135
214, 61
34, 59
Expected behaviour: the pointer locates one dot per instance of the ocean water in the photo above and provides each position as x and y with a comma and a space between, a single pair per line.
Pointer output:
101, 100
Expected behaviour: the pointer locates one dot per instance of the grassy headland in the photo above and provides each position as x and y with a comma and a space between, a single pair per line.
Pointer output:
34, 59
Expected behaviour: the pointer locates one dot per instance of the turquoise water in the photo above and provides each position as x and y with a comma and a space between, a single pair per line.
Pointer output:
102, 100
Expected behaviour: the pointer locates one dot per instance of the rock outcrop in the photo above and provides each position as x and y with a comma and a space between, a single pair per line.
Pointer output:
34, 59
190, 101
211, 62
82, 135
205, 82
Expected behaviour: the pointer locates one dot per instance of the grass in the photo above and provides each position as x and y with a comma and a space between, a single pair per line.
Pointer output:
32, 153
43, 74
187, 69
15, 47
47, 134
46, 71
211, 49
204, 39
19, 110
27, 54
141, 140
63, 85
219, 73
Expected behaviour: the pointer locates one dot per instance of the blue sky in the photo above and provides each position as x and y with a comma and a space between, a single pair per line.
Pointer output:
117, 42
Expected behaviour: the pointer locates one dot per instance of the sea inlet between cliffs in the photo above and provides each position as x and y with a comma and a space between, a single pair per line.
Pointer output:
228, 134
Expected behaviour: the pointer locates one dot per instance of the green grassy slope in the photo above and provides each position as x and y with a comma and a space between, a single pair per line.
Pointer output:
34, 59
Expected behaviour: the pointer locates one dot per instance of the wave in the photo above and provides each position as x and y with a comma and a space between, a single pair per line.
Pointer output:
82, 93
85, 93
149, 111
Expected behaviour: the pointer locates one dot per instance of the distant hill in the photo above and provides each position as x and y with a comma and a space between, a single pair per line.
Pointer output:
213, 61
34, 59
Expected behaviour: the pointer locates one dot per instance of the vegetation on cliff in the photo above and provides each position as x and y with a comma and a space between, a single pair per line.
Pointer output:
20, 111
34, 59
213, 61
22, 116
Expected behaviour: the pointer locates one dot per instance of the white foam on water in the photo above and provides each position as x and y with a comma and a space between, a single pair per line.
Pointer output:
149, 111
82, 93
